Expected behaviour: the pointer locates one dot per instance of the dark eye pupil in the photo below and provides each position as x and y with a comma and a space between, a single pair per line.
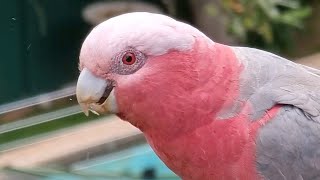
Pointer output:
128, 58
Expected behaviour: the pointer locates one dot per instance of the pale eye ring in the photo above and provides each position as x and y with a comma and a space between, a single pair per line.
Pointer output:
128, 61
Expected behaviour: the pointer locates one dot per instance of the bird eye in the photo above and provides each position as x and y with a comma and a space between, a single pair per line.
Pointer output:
129, 58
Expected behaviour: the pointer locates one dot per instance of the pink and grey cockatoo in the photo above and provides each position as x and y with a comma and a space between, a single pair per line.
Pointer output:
208, 110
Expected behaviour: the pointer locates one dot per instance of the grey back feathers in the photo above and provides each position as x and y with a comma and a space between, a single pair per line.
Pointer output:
269, 79
288, 147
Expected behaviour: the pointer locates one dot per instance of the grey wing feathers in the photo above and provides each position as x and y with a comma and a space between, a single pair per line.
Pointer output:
288, 147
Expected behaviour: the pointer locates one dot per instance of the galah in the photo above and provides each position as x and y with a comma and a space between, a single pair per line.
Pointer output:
208, 110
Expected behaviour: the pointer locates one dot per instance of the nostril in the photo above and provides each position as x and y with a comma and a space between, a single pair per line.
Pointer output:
105, 95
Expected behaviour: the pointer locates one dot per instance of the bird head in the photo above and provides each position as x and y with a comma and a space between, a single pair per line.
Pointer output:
141, 65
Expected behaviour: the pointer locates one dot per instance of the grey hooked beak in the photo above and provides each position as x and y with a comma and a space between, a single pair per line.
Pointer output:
95, 94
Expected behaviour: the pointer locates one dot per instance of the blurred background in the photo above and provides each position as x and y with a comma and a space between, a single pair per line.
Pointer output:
44, 135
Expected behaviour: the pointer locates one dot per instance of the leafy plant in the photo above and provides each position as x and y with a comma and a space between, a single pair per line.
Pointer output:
267, 24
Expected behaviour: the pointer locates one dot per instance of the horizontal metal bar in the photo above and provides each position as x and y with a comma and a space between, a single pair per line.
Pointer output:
37, 100
31, 121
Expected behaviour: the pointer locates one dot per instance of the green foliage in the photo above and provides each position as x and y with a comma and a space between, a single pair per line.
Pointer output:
265, 23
